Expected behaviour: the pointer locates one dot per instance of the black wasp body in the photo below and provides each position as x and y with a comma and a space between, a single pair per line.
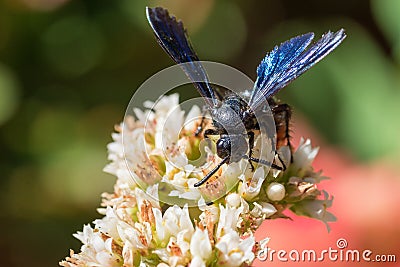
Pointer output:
235, 123
228, 119
233, 115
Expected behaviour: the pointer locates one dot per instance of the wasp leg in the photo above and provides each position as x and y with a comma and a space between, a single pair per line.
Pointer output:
282, 114
251, 146
207, 133
201, 126
210, 132
263, 162
211, 173
281, 161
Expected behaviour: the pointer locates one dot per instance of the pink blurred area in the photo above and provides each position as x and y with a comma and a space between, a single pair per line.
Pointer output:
366, 199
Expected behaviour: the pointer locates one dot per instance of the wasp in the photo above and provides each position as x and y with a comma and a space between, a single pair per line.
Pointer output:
280, 66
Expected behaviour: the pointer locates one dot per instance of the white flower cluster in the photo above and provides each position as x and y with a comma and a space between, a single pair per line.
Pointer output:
150, 219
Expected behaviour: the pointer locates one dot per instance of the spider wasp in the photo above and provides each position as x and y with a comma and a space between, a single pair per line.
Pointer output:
282, 65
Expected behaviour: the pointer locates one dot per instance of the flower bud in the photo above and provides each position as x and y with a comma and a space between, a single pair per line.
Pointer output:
276, 191
233, 200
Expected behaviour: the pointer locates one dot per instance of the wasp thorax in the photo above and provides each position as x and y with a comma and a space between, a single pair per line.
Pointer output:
225, 119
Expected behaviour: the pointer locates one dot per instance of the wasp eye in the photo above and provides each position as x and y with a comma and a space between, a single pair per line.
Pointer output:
223, 147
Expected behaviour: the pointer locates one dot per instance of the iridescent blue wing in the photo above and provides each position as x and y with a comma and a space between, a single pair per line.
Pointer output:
172, 37
288, 61
277, 62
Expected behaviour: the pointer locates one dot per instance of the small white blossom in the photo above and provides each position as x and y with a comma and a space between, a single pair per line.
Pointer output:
210, 212
263, 210
96, 249
235, 251
200, 245
229, 219
250, 188
304, 155
317, 209
175, 221
108, 224
151, 158
233, 200
197, 262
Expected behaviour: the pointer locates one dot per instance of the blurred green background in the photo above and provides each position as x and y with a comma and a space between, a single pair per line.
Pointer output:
69, 68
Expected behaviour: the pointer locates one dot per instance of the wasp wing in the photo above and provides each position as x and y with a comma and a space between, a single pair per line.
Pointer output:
288, 61
172, 37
